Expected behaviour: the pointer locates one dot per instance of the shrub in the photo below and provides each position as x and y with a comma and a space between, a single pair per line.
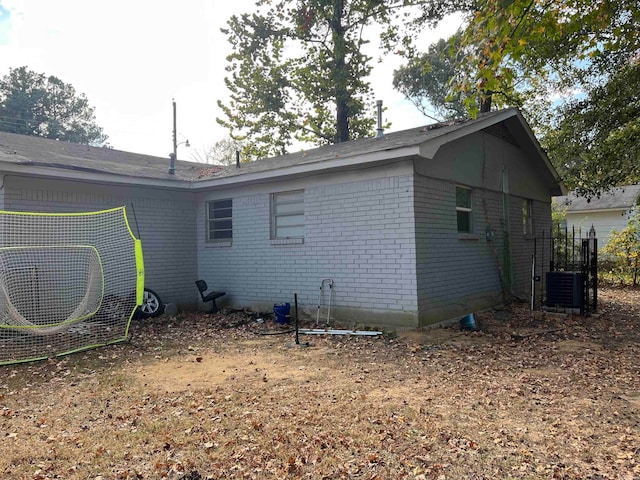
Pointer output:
623, 252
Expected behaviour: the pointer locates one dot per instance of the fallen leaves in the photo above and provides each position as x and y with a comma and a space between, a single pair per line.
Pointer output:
557, 400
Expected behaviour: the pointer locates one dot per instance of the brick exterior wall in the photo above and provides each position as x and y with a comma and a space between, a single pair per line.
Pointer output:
165, 220
523, 247
359, 233
386, 235
457, 273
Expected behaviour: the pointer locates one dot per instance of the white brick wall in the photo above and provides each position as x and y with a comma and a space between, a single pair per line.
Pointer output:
359, 233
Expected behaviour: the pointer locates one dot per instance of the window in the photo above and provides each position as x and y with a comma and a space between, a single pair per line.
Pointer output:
287, 214
219, 220
463, 209
527, 216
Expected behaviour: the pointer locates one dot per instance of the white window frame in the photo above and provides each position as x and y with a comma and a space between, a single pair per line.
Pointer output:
287, 215
464, 209
220, 215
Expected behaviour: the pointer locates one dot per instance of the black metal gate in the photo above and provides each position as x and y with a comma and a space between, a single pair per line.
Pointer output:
566, 266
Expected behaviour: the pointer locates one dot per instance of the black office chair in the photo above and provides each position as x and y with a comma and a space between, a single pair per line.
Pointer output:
209, 297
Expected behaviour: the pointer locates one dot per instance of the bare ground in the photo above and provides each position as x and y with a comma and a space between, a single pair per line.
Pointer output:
196, 397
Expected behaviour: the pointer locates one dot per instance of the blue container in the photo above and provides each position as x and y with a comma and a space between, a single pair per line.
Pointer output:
468, 322
282, 312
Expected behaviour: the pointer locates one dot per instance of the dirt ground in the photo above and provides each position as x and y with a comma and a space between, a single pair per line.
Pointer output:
191, 397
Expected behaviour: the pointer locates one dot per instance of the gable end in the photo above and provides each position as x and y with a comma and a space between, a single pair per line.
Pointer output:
502, 132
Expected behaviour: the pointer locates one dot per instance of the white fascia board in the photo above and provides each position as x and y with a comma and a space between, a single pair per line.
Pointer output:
315, 167
110, 178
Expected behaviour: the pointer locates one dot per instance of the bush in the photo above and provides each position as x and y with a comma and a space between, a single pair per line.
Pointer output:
623, 253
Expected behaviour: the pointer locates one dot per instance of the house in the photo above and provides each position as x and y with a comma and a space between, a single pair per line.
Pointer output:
611, 211
414, 227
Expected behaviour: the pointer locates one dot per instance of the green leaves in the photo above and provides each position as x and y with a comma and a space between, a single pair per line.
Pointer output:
425, 80
623, 249
569, 64
297, 73
33, 104
596, 144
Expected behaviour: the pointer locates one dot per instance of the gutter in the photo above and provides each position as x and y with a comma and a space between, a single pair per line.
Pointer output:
66, 172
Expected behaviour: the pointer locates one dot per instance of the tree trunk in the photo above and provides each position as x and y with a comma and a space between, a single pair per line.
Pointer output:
485, 101
340, 74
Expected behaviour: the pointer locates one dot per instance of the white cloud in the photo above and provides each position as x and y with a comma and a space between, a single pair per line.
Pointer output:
131, 58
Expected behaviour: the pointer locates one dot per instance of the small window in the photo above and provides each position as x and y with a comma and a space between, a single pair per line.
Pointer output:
463, 209
287, 214
220, 224
527, 216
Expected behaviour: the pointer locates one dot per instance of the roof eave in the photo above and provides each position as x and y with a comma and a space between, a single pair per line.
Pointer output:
98, 177
302, 169
598, 210
429, 148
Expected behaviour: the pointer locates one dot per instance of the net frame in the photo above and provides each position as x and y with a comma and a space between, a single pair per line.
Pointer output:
87, 306
85, 271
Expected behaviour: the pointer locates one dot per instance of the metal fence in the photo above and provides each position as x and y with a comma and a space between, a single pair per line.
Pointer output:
565, 264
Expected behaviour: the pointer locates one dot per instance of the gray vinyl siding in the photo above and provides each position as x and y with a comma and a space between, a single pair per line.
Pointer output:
359, 233
163, 219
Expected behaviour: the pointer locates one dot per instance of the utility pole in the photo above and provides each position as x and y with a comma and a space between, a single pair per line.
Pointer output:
174, 155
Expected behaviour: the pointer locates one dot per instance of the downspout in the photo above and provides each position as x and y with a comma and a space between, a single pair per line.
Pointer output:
2, 177
506, 232
489, 233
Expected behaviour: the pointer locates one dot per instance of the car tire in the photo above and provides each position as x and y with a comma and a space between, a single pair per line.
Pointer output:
151, 304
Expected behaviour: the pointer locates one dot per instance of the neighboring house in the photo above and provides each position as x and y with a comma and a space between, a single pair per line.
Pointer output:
611, 211
414, 227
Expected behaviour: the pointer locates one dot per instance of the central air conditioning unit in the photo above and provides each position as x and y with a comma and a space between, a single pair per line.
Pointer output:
565, 289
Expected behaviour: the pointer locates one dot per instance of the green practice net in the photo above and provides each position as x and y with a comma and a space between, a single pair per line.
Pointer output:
68, 282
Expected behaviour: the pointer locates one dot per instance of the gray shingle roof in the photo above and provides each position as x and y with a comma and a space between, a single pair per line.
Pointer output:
619, 198
43, 152
64, 156
389, 141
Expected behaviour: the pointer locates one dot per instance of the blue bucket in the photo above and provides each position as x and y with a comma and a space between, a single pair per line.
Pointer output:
281, 312
468, 322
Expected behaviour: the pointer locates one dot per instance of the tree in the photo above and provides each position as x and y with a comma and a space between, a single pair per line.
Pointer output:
34, 104
298, 72
623, 249
595, 145
571, 47
553, 44
223, 152
425, 81
525, 53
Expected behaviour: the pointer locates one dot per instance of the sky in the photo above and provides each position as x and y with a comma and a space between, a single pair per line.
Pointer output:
132, 58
